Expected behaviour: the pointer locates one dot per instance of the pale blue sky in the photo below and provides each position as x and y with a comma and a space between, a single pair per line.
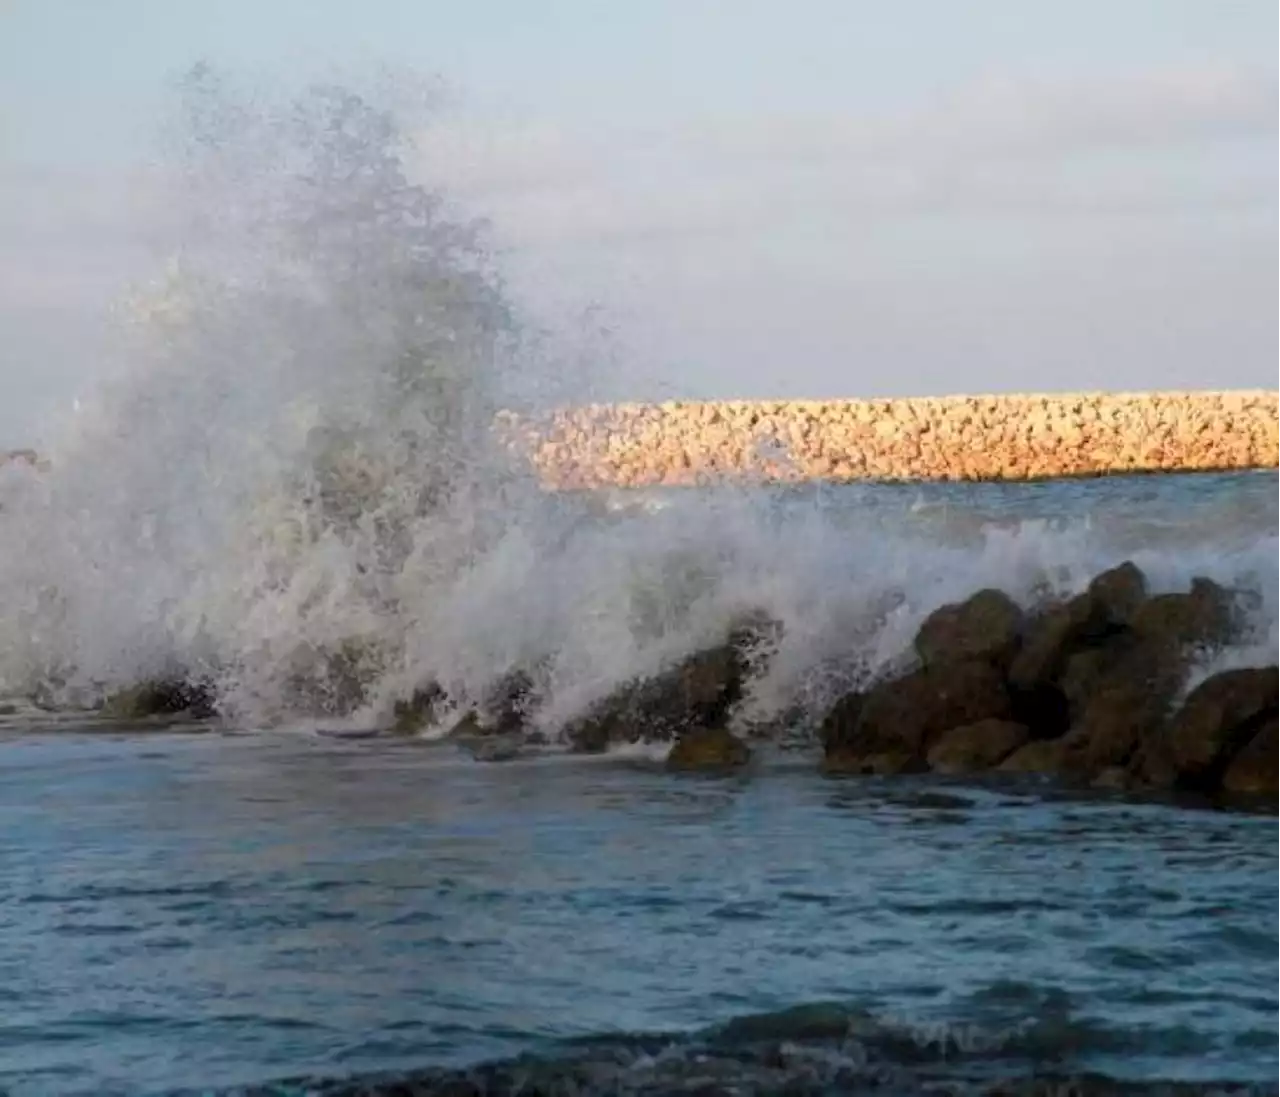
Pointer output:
802, 198
77, 75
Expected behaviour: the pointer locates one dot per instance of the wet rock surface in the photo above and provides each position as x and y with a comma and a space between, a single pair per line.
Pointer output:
902, 717
975, 747
1089, 690
1094, 690
986, 625
698, 693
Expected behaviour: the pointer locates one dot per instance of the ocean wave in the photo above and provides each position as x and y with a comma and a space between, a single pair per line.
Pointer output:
815, 1049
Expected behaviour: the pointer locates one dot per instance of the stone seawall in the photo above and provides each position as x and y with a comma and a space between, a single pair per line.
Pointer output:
933, 438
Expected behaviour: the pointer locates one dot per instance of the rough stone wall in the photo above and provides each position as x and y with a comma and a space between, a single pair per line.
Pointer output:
935, 438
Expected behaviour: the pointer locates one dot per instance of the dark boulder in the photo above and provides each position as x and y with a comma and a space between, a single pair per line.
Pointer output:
1201, 617
1119, 695
1102, 609
708, 750
1114, 725
1115, 595
976, 747
1087, 670
1094, 619
986, 625
1219, 717
698, 692
1252, 772
1113, 640
900, 718
502, 712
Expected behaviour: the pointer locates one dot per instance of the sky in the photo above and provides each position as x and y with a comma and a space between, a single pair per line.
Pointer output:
818, 198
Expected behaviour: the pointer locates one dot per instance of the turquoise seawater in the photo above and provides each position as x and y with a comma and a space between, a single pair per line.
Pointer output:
200, 912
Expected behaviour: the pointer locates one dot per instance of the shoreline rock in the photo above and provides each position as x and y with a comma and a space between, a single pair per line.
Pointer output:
1087, 691
1094, 691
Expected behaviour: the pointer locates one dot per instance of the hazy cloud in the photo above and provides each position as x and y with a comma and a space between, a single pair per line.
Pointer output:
1126, 146
1013, 232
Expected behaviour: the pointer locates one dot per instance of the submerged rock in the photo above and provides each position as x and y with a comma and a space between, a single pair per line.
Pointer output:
708, 749
1113, 779
875, 763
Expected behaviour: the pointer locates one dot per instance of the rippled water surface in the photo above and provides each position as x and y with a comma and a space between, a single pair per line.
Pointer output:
213, 910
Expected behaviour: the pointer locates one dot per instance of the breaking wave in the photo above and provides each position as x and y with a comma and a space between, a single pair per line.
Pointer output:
293, 492
813, 1050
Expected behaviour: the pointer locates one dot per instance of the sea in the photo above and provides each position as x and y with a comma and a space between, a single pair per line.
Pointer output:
213, 908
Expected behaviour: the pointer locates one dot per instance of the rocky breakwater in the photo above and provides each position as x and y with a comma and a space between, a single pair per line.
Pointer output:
1098, 689
1092, 690
1012, 437
1103, 689
1095, 690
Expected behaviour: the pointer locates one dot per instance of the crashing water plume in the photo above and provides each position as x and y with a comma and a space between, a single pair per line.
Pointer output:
292, 493
304, 416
